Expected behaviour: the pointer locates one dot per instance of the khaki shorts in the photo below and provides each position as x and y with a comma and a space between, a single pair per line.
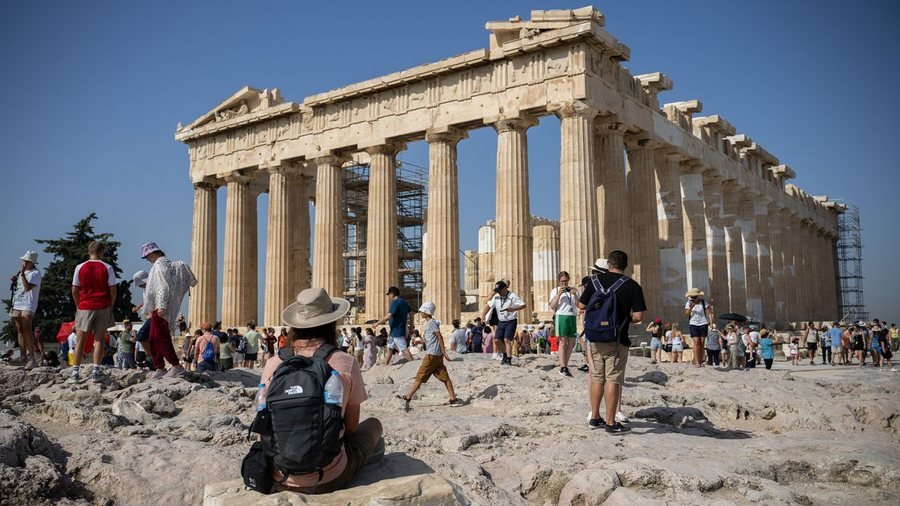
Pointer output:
609, 360
93, 321
20, 313
433, 365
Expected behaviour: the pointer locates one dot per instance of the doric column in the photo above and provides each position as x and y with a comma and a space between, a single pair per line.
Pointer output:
764, 252
803, 259
204, 261
776, 235
301, 276
747, 217
612, 201
694, 212
644, 257
382, 260
546, 264
578, 226
328, 246
833, 283
239, 282
671, 237
715, 240
470, 269
820, 274
734, 248
441, 260
486, 249
512, 259
280, 247
790, 233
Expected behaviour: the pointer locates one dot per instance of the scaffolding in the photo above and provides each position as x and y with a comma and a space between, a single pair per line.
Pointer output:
411, 203
849, 255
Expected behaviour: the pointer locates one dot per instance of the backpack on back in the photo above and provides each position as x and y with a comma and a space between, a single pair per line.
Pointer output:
601, 323
209, 352
303, 432
242, 345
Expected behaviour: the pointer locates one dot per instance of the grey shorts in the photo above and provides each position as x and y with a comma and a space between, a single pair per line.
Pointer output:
94, 321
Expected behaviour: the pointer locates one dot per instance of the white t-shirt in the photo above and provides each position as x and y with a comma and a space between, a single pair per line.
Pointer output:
27, 301
698, 315
500, 303
458, 340
566, 303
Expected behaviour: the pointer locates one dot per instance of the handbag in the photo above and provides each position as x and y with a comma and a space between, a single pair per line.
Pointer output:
256, 469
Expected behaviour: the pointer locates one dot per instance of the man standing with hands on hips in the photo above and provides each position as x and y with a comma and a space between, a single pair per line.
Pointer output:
505, 305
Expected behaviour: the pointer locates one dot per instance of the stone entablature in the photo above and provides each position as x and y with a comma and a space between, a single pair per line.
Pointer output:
560, 62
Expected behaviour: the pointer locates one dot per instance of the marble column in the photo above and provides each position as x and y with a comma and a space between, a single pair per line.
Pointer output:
470, 269
578, 226
280, 253
734, 248
612, 201
820, 275
382, 261
694, 212
239, 280
546, 264
715, 240
791, 267
776, 235
204, 258
747, 217
764, 252
441, 263
803, 263
644, 257
486, 249
328, 246
671, 237
833, 284
301, 275
513, 258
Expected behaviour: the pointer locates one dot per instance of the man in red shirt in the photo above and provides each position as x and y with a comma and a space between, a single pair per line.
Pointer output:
94, 290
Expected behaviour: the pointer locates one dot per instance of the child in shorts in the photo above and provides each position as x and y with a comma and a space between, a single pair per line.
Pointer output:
433, 363
795, 350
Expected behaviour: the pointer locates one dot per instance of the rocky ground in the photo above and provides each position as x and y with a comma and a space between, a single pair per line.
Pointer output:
807, 435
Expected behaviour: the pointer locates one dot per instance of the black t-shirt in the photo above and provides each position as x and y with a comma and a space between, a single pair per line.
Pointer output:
629, 298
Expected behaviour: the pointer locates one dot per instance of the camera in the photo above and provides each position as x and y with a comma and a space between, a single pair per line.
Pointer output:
567, 289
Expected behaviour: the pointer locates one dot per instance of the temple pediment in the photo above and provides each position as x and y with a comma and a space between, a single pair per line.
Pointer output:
246, 101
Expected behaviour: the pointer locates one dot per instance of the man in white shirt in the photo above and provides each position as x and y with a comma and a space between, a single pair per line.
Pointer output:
505, 305
700, 313
27, 287
563, 300
458, 339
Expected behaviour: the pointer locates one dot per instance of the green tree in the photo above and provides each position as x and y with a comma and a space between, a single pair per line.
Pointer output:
55, 305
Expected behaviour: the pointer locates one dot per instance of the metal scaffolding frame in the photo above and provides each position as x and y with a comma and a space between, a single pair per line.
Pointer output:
849, 258
412, 197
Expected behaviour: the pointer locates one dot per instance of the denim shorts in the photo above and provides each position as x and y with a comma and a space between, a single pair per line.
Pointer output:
655, 343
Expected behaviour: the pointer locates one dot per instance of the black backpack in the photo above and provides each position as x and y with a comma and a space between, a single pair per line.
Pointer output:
299, 432
601, 323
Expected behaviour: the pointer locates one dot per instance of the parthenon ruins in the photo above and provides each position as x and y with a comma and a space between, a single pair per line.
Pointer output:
693, 202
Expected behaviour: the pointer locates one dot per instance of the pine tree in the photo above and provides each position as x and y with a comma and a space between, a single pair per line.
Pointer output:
55, 305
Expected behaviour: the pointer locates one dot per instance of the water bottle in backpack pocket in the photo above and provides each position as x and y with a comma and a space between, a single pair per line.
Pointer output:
601, 323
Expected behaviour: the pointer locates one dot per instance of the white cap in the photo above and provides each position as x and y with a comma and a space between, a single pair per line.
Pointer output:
140, 278
30, 256
427, 308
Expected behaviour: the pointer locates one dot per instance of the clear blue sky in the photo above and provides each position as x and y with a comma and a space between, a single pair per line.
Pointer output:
92, 92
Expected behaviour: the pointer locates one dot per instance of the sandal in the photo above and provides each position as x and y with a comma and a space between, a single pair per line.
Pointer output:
454, 403
406, 400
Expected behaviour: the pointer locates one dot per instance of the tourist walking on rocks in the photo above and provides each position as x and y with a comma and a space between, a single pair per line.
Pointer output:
312, 321
714, 342
875, 345
398, 317
344, 341
655, 329
226, 361
206, 349
859, 344
750, 337
94, 287
252, 338
811, 336
370, 356
167, 284
26, 288
846, 344
505, 305
125, 357
794, 350
359, 346
766, 347
826, 344
564, 302
433, 363
700, 313
609, 359
475, 334
675, 338
731, 345
381, 342
834, 337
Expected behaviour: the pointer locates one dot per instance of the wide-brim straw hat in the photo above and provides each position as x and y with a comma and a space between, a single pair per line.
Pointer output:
694, 292
600, 265
314, 307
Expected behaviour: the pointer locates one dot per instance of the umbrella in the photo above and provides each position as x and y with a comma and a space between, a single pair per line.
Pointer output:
733, 317
67, 328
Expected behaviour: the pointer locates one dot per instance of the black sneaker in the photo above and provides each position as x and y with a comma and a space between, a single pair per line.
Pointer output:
596, 423
617, 428
506, 361
565, 371
584, 368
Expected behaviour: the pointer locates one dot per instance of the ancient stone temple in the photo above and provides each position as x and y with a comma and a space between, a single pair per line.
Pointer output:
694, 203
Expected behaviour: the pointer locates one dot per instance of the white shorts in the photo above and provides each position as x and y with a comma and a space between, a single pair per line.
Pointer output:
835, 349
397, 343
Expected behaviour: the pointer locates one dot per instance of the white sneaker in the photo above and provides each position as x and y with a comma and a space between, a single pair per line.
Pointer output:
893, 369
29, 365
157, 374
621, 418
175, 372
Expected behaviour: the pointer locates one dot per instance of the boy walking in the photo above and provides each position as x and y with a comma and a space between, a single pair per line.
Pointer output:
433, 363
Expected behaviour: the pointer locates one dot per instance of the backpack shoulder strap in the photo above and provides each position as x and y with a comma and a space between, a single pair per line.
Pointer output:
619, 282
324, 351
596, 281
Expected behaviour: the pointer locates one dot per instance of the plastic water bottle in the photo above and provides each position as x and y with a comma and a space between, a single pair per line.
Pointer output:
261, 397
334, 389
